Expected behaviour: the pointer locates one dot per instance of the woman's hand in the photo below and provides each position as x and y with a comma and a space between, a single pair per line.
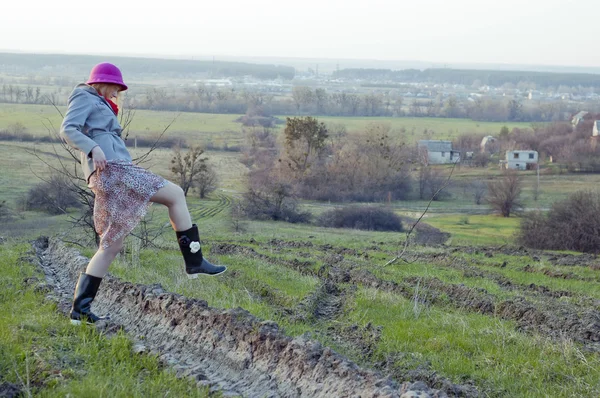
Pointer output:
99, 158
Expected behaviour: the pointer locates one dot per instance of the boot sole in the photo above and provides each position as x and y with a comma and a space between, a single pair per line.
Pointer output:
78, 322
194, 276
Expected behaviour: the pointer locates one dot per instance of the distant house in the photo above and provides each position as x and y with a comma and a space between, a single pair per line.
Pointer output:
215, 82
520, 160
578, 118
596, 130
438, 152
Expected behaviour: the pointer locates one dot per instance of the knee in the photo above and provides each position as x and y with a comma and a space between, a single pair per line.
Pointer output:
179, 192
178, 196
114, 249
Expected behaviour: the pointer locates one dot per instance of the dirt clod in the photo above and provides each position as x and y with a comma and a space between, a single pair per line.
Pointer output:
10, 390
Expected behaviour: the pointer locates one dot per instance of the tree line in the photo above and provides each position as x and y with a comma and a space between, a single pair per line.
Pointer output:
80, 65
304, 101
495, 78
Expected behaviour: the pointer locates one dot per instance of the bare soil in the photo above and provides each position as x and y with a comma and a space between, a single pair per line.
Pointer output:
9, 390
230, 350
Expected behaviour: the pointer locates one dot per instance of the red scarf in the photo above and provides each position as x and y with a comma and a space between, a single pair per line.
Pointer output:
114, 106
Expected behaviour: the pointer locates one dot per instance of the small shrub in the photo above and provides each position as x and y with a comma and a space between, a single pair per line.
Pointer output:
6, 213
361, 217
572, 224
262, 121
275, 204
481, 159
54, 196
503, 193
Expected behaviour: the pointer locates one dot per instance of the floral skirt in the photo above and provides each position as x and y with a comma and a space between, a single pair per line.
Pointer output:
123, 191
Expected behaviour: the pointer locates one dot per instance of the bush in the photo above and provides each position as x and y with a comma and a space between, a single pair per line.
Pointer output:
503, 193
275, 204
54, 196
366, 217
6, 213
573, 224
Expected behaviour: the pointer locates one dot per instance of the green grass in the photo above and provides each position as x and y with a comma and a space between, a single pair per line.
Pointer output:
477, 229
513, 271
466, 346
25, 164
443, 128
456, 344
444, 273
46, 356
219, 129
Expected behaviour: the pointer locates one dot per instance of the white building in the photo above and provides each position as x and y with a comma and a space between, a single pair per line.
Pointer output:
578, 118
596, 130
521, 160
215, 82
438, 152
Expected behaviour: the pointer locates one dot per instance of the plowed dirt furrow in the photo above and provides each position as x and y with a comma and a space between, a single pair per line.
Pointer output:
211, 211
228, 349
559, 320
549, 316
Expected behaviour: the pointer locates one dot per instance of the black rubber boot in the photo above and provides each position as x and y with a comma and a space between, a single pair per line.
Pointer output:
195, 264
85, 292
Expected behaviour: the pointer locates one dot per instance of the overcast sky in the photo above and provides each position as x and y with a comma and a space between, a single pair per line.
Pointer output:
543, 32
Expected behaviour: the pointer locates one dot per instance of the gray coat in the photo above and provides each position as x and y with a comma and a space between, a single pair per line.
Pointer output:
90, 121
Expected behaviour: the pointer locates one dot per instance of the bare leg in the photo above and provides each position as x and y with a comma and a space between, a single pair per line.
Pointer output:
99, 264
172, 196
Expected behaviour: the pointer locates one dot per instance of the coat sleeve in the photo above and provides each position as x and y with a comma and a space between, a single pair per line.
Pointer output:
71, 130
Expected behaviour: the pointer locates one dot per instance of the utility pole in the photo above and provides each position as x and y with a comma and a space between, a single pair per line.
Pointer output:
538, 175
537, 189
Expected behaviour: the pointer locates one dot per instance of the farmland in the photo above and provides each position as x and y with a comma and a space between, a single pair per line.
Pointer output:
222, 128
486, 317
475, 315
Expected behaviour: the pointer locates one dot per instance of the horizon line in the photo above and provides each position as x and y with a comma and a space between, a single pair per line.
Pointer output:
208, 57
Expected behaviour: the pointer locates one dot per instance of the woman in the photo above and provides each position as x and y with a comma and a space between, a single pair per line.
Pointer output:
123, 191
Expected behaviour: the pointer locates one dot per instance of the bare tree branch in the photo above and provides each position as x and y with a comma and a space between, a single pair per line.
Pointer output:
143, 158
51, 101
414, 225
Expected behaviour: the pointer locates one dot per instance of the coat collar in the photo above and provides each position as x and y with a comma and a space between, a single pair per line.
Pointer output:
91, 90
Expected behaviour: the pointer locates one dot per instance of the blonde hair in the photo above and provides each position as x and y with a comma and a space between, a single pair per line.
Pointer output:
102, 89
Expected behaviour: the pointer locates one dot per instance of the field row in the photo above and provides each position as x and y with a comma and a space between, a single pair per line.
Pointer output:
450, 316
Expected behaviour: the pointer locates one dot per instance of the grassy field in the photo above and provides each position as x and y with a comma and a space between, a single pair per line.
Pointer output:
42, 354
278, 272
477, 229
440, 313
281, 267
24, 164
220, 129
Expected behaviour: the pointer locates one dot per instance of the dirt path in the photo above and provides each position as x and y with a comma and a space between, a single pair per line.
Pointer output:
230, 350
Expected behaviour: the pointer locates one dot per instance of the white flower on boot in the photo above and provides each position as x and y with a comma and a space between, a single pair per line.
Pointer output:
194, 247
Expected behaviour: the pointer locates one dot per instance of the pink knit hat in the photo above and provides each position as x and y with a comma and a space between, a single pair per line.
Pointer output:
107, 73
